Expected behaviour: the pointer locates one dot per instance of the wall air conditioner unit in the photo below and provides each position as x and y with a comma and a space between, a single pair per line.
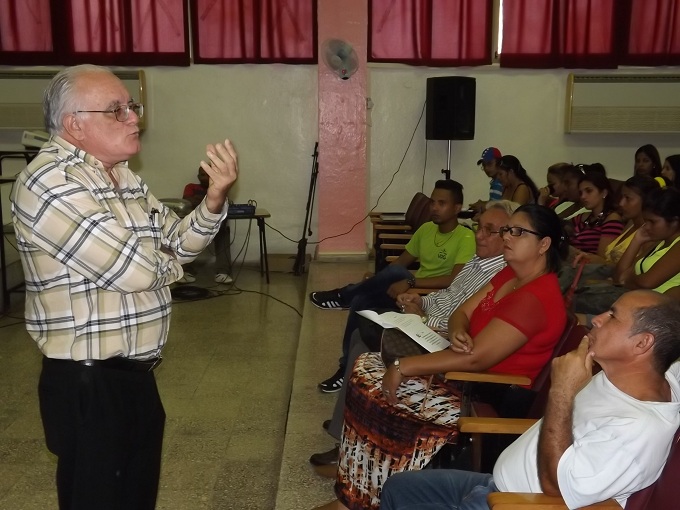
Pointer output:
21, 94
623, 103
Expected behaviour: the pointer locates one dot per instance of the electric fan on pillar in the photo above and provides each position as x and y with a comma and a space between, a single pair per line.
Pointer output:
340, 57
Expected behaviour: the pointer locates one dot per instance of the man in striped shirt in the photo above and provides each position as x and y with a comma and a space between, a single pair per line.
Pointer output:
98, 252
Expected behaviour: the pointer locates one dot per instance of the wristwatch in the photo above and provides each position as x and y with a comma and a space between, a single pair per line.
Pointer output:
397, 364
411, 281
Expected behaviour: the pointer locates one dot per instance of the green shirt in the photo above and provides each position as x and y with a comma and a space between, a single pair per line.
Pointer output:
438, 252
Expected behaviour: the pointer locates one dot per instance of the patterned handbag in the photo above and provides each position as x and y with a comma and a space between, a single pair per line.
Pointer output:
397, 344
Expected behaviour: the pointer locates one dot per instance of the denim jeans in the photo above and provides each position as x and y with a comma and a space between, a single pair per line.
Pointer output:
369, 294
437, 489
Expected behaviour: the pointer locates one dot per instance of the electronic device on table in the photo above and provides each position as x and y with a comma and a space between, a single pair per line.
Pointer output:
247, 209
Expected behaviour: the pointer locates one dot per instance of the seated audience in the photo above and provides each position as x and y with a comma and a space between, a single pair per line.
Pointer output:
633, 192
442, 247
592, 231
671, 169
647, 161
597, 267
195, 193
603, 436
656, 268
489, 163
517, 185
435, 308
397, 418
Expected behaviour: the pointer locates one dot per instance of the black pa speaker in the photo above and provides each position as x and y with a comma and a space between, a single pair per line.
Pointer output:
450, 108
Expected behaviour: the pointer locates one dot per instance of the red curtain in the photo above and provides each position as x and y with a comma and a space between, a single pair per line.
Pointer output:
25, 30
106, 32
260, 31
561, 33
654, 35
430, 32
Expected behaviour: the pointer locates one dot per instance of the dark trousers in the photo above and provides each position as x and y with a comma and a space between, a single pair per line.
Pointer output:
106, 428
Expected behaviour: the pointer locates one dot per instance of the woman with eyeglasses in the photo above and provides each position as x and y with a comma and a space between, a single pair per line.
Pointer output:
517, 185
397, 418
592, 231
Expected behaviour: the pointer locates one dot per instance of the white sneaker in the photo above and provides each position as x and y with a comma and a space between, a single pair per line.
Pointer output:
187, 278
223, 278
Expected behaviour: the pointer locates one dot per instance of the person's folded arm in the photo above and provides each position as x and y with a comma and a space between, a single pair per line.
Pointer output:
488, 351
663, 270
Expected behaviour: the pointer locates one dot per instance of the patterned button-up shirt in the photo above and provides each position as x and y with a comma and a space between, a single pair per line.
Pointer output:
475, 274
96, 258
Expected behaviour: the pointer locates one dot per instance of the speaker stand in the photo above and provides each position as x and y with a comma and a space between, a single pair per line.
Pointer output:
447, 170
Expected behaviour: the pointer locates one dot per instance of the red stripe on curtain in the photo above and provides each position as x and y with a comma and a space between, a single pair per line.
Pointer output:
559, 33
254, 31
654, 34
25, 26
430, 32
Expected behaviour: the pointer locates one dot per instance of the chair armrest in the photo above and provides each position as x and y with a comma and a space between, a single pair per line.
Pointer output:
525, 501
520, 380
405, 237
474, 425
390, 246
398, 226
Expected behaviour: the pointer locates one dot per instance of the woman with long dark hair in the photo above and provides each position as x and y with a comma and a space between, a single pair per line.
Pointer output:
517, 185
671, 170
593, 230
647, 161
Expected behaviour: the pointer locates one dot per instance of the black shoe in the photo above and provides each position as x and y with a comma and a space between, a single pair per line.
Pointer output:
328, 458
334, 382
328, 300
326, 424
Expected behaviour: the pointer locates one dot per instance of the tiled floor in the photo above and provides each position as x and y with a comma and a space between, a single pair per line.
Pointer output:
232, 371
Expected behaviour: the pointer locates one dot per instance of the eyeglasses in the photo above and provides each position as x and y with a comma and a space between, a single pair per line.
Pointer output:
517, 231
487, 231
121, 112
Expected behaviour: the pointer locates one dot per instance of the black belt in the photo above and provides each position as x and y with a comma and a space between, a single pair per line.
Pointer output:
119, 363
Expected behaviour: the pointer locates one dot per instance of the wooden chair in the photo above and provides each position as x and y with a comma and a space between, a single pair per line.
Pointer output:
418, 212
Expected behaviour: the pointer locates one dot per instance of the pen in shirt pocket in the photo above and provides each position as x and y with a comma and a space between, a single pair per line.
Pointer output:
152, 216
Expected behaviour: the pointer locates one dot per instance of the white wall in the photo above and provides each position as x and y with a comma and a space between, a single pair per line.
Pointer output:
519, 111
270, 114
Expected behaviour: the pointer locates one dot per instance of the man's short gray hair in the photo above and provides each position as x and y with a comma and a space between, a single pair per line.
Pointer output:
504, 205
59, 98
662, 320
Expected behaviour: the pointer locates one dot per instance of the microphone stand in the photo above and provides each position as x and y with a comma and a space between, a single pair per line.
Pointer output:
299, 265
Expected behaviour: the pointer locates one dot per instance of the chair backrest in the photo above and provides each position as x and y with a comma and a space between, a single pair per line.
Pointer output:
664, 492
418, 211
571, 337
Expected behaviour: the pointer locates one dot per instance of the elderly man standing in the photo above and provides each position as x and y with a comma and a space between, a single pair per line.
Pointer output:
603, 436
98, 252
